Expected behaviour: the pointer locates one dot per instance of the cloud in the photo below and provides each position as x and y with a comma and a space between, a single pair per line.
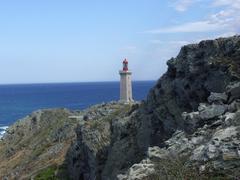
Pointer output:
225, 20
198, 26
159, 42
232, 3
182, 5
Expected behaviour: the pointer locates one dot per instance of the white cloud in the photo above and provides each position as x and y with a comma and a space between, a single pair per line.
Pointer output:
198, 26
159, 42
182, 5
232, 3
226, 20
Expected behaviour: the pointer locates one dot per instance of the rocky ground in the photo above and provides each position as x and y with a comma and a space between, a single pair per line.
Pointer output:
212, 149
188, 128
36, 146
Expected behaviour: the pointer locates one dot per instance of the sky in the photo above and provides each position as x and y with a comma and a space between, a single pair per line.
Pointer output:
44, 41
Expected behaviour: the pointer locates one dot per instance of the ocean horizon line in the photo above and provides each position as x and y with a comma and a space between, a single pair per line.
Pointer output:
74, 82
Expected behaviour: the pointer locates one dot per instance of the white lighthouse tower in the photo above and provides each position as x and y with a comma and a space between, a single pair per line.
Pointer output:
125, 84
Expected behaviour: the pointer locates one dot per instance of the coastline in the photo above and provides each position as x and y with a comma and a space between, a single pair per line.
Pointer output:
3, 130
18, 101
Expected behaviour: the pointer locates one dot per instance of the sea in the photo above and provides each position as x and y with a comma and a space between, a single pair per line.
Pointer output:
17, 101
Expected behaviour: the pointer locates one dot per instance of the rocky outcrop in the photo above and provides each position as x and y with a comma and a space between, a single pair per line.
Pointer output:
198, 90
194, 112
198, 70
102, 145
214, 146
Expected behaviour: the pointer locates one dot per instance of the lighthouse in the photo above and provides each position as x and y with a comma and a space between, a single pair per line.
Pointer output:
125, 84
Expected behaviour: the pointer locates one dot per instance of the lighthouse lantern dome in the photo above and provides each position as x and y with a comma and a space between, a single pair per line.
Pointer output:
125, 65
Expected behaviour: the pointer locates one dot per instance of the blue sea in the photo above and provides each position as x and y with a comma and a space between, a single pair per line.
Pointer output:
17, 101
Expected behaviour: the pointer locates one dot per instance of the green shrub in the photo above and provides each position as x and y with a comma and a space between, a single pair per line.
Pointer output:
47, 174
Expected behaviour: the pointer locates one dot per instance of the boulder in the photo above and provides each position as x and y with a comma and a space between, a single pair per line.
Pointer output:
211, 111
198, 154
138, 171
217, 98
230, 154
234, 91
229, 118
234, 106
191, 120
156, 153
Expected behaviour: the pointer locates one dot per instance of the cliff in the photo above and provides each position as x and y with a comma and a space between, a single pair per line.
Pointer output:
36, 146
193, 112
177, 109
187, 128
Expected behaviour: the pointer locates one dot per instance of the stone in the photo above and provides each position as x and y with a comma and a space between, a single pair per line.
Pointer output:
197, 140
216, 124
138, 171
228, 118
217, 98
226, 133
191, 120
212, 152
198, 154
234, 91
179, 143
157, 153
202, 168
234, 106
229, 155
211, 111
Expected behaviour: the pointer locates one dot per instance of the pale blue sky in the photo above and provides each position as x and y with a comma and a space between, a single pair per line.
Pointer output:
80, 40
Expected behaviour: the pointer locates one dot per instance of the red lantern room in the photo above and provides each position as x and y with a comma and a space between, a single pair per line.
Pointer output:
125, 65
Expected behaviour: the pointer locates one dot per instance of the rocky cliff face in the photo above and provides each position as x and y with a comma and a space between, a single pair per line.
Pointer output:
198, 70
201, 73
193, 112
211, 149
103, 145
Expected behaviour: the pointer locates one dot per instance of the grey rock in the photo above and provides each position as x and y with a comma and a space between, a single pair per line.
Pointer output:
230, 154
229, 118
197, 140
138, 171
211, 111
191, 120
234, 91
212, 151
234, 106
217, 98
179, 144
224, 134
198, 154
157, 153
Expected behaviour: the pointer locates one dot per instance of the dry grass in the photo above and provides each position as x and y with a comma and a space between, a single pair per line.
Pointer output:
175, 168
